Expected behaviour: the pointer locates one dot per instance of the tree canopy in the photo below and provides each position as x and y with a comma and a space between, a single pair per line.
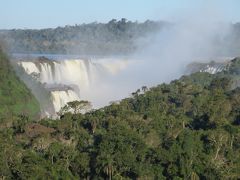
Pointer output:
187, 129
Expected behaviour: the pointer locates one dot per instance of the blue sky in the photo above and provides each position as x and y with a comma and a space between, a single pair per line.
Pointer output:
53, 13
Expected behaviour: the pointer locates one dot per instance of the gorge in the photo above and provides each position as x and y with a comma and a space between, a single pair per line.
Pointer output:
66, 79
72, 79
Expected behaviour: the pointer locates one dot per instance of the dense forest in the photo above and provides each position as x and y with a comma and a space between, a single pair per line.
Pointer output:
114, 37
187, 129
117, 37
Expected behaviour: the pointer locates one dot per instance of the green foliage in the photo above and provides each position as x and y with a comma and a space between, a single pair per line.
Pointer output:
76, 107
114, 37
15, 97
234, 67
42, 95
188, 129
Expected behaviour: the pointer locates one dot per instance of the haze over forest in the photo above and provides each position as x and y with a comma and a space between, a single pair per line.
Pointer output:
120, 89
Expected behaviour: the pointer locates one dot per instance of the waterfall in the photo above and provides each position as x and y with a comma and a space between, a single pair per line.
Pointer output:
72, 79
61, 98
102, 80
62, 72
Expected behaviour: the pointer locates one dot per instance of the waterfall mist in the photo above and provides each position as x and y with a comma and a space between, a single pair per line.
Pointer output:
200, 34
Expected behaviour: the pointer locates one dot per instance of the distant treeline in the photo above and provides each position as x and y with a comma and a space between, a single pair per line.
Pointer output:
114, 37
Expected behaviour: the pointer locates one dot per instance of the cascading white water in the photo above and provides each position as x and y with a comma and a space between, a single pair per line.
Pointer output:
102, 80
81, 76
78, 71
29, 67
58, 72
213, 69
61, 98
